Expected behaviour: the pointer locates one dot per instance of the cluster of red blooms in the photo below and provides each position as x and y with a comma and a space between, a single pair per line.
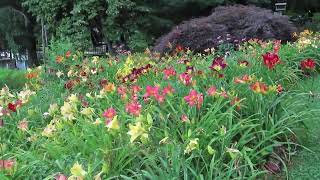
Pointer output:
157, 94
194, 99
308, 64
169, 72
271, 60
136, 73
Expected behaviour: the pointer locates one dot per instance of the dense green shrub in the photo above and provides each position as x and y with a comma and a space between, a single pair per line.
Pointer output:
14, 79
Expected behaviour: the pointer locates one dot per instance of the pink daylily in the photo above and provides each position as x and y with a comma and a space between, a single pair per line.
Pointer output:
194, 98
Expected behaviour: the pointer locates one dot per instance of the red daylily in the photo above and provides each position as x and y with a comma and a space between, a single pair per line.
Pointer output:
218, 64
152, 91
194, 98
271, 60
279, 88
68, 54
185, 78
168, 90
212, 91
134, 108
12, 107
109, 113
308, 64
169, 72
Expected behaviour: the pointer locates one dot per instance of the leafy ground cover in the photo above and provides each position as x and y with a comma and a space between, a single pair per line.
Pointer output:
219, 115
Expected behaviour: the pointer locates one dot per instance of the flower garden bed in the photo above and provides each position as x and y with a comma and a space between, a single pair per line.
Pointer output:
183, 116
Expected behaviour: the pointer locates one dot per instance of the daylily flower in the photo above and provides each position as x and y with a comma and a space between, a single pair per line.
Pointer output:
73, 98
136, 130
59, 74
59, 59
152, 91
185, 78
276, 46
109, 113
193, 144
243, 63
49, 130
259, 87
87, 112
122, 91
271, 60
243, 80
169, 72
7, 164
184, 118
308, 64
133, 108
77, 171
23, 125
53, 109
218, 64
112, 124
168, 90
194, 99
135, 89
110, 87
212, 91
60, 177
25, 95
68, 54
236, 101
279, 88
12, 107
67, 111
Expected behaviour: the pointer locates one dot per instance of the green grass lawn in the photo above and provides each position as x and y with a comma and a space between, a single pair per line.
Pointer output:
306, 165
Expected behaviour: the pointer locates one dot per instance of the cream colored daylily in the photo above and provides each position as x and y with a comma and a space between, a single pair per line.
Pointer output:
73, 98
49, 130
193, 144
77, 172
53, 109
136, 131
114, 124
59, 74
67, 111
87, 112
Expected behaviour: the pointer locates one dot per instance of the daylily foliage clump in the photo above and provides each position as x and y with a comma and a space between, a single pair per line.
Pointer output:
141, 115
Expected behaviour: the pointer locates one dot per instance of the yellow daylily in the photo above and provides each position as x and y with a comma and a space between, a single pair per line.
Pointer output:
114, 124
77, 171
193, 144
136, 131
